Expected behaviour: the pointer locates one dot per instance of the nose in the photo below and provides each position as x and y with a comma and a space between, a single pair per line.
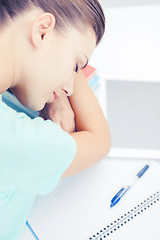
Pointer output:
68, 88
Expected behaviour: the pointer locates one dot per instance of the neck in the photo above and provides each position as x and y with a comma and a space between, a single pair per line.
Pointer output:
6, 60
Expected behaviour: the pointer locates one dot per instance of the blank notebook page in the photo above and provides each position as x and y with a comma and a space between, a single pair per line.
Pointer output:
79, 207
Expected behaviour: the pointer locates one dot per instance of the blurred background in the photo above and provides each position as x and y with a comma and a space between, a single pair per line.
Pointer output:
118, 3
128, 59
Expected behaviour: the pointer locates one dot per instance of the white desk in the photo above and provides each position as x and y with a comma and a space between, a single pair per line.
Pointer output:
26, 234
105, 184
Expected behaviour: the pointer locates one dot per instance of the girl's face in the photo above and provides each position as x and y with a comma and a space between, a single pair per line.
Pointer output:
48, 70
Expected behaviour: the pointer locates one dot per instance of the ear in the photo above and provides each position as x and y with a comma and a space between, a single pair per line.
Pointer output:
41, 27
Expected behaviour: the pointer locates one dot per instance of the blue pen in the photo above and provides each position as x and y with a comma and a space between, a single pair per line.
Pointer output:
123, 190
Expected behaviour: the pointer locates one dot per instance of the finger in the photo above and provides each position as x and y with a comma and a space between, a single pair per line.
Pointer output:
68, 126
56, 120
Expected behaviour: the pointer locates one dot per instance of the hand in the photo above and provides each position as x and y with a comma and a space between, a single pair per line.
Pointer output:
60, 112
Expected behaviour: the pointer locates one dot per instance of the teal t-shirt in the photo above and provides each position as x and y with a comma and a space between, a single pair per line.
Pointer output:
33, 156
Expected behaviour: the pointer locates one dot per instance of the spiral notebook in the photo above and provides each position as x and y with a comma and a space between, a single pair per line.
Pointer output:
79, 208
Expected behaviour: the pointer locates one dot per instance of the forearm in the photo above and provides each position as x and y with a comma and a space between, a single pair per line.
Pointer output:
92, 136
89, 116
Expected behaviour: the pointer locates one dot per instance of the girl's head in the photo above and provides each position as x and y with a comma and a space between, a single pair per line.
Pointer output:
49, 41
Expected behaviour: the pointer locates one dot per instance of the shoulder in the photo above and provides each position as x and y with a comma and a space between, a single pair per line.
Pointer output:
38, 151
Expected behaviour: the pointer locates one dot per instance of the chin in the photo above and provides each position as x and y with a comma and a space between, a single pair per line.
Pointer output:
36, 107
33, 106
28, 101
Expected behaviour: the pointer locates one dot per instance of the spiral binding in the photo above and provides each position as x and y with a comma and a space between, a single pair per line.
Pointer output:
127, 217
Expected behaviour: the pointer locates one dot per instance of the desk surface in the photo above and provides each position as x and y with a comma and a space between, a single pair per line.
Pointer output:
95, 173
26, 234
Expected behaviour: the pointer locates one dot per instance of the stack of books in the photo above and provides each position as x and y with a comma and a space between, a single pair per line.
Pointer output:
93, 79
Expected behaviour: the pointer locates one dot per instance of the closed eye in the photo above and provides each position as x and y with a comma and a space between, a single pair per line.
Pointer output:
76, 69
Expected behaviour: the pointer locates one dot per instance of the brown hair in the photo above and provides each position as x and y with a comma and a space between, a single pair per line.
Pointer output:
69, 12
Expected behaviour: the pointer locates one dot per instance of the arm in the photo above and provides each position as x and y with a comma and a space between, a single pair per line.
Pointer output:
92, 136
60, 112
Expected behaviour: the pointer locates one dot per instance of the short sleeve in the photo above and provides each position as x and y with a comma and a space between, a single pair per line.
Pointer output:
34, 153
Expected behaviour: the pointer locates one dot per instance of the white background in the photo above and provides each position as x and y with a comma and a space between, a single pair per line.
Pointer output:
130, 48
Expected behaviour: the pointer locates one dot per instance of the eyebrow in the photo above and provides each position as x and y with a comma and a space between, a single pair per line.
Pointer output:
86, 62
